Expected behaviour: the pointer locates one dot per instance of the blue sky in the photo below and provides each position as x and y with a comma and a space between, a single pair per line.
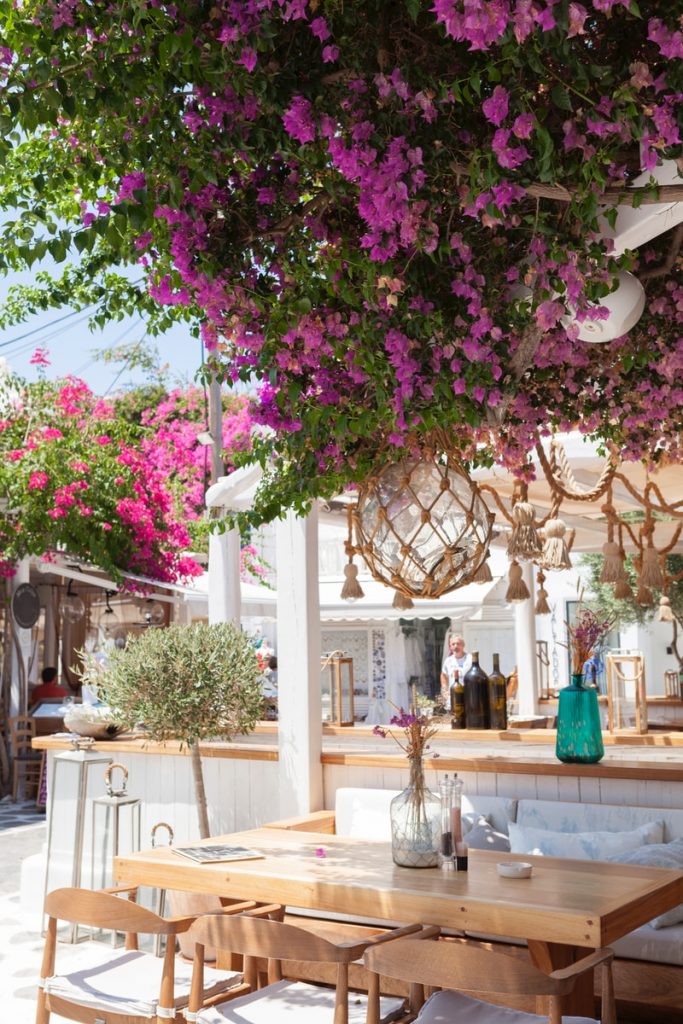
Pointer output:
72, 345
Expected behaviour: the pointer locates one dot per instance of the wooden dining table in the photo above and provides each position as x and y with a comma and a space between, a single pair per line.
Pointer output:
565, 908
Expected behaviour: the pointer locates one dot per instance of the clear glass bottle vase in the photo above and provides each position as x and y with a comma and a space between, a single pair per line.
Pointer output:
416, 822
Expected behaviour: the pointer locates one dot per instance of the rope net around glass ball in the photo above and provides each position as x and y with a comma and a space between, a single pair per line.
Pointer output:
421, 525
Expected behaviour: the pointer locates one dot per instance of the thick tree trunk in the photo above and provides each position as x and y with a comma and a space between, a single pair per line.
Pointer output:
200, 792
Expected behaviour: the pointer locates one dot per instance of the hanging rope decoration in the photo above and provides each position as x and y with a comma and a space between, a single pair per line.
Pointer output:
542, 606
613, 568
665, 611
524, 543
517, 590
650, 575
421, 523
351, 590
555, 548
401, 602
483, 573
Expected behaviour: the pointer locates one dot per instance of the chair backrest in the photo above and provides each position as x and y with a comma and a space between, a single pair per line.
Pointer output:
22, 730
454, 965
274, 940
104, 910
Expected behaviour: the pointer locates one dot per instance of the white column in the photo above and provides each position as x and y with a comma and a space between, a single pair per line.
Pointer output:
21, 651
298, 660
525, 647
225, 597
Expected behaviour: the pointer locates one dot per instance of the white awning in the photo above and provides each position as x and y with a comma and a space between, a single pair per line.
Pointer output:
377, 603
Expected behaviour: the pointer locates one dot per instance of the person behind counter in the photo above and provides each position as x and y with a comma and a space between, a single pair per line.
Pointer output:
457, 659
48, 688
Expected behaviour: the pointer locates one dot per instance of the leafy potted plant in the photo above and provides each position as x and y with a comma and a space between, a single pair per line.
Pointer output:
187, 683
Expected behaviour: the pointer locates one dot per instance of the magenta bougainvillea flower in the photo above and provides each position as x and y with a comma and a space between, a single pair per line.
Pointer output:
268, 167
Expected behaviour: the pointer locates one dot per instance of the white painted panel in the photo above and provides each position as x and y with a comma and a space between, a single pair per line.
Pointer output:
491, 638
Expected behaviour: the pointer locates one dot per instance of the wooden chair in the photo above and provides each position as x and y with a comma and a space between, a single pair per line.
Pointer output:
456, 969
26, 762
282, 1000
129, 987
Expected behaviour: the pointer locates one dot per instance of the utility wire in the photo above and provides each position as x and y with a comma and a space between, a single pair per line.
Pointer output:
127, 361
37, 330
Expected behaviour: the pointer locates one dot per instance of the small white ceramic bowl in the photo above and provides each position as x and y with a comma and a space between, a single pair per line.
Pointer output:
514, 868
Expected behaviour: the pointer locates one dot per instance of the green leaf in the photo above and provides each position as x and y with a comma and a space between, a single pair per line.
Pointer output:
561, 97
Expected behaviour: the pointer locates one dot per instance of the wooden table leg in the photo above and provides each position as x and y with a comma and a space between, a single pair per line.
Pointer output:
550, 956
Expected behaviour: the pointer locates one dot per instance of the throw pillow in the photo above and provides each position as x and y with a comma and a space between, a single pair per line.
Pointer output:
582, 845
471, 819
659, 855
485, 837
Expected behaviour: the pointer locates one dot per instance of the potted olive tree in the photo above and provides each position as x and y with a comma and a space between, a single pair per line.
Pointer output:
187, 683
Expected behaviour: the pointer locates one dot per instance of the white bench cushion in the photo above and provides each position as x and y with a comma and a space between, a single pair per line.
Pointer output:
562, 816
130, 982
292, 1002
364, 813
456, 1008
582, 845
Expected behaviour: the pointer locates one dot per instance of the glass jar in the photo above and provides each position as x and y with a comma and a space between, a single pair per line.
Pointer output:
579, 734
416, 822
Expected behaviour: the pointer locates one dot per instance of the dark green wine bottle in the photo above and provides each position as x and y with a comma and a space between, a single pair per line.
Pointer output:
458, 720
498, 697
476, 684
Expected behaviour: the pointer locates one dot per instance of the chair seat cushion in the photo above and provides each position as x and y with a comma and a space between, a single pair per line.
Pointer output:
129, 983
655, 945
449, 1007
295, 1002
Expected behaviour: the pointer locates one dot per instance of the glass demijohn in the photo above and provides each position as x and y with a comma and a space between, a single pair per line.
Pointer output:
416, 823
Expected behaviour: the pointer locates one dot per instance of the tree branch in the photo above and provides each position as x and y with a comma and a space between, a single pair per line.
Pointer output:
627, 195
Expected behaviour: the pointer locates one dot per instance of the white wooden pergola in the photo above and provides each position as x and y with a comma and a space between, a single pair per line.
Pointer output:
298, 602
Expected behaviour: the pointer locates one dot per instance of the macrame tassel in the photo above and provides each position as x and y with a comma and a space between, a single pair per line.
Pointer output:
622, 590
650, 571
352, 589
555, 551
517, 588
542, 606
665, 612
524, 543
613, 563
483, 573
401, 602
644, 596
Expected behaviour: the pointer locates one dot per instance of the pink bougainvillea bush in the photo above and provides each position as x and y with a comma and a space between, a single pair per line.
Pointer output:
384, 214
74, 476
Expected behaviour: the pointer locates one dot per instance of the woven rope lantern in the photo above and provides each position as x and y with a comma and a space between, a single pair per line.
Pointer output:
422, 525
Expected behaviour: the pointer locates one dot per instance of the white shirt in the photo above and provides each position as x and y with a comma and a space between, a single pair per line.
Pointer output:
452, 663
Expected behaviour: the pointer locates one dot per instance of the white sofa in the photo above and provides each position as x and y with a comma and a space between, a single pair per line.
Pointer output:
649, 964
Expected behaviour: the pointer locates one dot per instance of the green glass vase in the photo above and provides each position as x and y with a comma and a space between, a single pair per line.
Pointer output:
579, 735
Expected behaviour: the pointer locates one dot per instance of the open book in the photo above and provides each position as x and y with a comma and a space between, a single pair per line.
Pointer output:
215, 854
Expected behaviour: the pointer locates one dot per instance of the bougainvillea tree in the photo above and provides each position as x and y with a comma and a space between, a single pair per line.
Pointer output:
74, 477
381, 212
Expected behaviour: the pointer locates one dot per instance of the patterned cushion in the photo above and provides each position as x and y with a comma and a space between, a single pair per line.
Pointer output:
659, 855
293, 1002
582, 845
456, 1008
130, 982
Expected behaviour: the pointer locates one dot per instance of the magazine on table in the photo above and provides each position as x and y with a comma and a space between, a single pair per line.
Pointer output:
215, 854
